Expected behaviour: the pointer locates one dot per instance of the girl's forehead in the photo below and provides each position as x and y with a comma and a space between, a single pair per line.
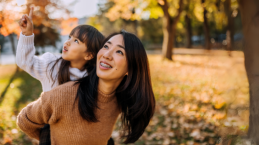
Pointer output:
74, 34
81, 35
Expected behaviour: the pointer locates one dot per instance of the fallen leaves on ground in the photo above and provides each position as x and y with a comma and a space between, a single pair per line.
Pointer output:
200, 100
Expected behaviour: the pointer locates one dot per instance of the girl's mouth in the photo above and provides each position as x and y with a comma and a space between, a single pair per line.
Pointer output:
64, 49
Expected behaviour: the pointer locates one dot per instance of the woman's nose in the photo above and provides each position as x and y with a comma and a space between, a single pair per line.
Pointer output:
108, 55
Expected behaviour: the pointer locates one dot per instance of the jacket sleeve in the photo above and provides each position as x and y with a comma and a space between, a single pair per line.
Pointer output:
36, 114
26, 60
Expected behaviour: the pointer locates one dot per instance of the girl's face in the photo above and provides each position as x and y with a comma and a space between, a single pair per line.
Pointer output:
74, 50
111, 59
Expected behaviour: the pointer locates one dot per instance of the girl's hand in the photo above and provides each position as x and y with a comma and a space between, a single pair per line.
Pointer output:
26, 23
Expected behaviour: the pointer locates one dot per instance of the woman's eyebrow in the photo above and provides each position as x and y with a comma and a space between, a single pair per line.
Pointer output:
121, 46
117, 45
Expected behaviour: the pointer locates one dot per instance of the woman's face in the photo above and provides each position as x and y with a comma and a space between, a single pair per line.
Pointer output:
74, 50
111, 59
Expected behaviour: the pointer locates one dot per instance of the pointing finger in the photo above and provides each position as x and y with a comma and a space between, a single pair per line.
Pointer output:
31, 12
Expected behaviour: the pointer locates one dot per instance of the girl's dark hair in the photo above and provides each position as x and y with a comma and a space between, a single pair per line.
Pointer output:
93, 40
134, 94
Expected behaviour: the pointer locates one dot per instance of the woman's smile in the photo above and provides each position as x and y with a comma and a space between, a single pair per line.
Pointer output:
104, 65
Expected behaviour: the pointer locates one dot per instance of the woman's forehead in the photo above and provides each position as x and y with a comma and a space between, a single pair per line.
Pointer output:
117, 40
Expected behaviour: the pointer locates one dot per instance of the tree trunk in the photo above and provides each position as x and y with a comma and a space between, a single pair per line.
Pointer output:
135, 24
0, 54
206, 27
168, 38
13, 48
230, 26
250, 21
188, 31
135, 27
169, 29
13, 45
43, 50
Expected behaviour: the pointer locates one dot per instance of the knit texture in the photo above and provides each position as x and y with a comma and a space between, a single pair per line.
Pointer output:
67, 127
39, 67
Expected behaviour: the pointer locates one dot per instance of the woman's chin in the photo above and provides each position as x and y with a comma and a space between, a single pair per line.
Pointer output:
103, 75
100, 75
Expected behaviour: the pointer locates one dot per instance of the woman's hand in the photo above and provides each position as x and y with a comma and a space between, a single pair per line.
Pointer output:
26, 23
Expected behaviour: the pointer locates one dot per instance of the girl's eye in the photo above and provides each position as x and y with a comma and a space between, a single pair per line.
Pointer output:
120, 52
76, 41
105, 46
69, 37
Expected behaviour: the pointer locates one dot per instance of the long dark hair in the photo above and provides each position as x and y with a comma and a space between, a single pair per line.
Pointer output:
135, 96
93, 40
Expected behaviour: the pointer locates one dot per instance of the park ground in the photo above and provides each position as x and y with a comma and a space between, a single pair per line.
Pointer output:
201, 99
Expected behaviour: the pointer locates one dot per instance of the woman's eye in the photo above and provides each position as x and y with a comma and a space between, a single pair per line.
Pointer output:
105, 46
120, 52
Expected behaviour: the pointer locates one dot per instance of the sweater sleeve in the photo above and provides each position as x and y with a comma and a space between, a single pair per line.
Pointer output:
26, 60
36, 114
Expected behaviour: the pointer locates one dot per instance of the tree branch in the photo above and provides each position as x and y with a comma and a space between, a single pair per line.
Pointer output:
180, 9
165, 8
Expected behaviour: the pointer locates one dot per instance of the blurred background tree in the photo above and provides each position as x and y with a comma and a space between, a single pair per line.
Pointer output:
149, 30
134, 11
250, 20
45, 28
202, 22
188, 22
8, 23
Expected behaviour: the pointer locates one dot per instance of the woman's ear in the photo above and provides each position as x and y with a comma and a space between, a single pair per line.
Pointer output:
88, 56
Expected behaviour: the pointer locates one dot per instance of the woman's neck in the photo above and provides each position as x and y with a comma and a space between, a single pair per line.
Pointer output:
108, 86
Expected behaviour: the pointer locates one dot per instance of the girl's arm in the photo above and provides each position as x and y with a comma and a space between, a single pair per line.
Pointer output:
26, 60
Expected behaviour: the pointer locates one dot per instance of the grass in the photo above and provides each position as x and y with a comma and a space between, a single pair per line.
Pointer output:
199, 100
22, 90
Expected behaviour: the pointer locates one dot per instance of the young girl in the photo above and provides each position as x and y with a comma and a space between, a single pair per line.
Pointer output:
77, 60
84, 112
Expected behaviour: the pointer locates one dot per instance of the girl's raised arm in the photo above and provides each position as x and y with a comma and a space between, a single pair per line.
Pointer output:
25, 58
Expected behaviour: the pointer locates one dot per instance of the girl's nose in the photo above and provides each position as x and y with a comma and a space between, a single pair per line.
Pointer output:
67, 43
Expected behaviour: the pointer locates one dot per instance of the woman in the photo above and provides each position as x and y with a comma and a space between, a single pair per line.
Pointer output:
120, 83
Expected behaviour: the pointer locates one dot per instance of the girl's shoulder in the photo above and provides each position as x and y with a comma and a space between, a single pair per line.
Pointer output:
51, 60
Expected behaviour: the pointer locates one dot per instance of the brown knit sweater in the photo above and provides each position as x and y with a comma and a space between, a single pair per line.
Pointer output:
67, 127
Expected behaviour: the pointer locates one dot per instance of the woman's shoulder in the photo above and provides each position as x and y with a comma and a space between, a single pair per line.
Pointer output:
63, 92
70, 86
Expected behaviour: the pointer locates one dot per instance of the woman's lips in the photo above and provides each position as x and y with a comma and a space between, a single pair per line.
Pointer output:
104, 65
